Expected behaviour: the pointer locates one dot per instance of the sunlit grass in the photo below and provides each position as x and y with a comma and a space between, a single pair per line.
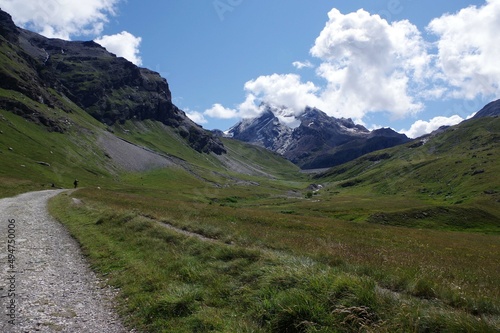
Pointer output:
281, 269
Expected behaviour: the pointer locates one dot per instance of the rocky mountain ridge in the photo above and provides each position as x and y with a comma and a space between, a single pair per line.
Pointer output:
490, 110
110, 88
319, 141
266, 131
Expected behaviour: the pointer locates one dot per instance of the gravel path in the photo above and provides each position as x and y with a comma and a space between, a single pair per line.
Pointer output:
47, 286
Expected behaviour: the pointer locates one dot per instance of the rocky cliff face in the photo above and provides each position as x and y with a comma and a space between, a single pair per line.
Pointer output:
319, 141
265, 131
109, 88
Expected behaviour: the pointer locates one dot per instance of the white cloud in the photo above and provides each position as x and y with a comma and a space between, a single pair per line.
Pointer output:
283, 90
218, 111
468, 50
61, 18
370, 65
302, 64
123, 45
422, 127
196, 116
471, 115
249, 108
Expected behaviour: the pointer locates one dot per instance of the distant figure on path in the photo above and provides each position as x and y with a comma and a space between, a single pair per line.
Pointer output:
75, 183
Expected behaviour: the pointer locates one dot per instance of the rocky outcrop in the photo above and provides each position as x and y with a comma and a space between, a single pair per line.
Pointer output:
7, 27
266, 131
110, 88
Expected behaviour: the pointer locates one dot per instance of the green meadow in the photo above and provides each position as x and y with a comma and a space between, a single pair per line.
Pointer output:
272, 263
402, 240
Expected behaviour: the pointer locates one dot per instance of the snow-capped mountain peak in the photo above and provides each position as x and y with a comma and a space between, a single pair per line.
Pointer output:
312, 139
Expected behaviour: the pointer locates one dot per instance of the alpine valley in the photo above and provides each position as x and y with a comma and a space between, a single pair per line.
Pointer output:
210, 232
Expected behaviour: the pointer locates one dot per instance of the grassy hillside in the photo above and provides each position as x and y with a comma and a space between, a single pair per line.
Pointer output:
45, 139
33, 158
452, 176
162, 139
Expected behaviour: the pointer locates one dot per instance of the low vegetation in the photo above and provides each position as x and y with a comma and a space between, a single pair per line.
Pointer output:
274, 261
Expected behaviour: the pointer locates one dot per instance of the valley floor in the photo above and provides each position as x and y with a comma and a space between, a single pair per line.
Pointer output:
214, 260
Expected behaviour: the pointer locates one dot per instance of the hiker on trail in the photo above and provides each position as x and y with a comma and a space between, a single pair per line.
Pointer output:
75, 183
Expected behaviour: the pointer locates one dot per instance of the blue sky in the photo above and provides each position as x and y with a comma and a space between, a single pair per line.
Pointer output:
382, 63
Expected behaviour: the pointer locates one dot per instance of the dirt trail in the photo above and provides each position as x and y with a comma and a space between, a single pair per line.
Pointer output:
45, 283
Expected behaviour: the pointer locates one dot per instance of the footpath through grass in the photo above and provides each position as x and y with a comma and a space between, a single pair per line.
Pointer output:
274, 270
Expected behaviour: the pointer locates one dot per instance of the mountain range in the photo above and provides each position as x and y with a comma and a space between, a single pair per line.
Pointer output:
55, 75
71, 109
108, 108
319, 141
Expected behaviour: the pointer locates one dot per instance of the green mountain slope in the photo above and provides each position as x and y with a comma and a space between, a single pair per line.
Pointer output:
73, 110
456, 170
32, 157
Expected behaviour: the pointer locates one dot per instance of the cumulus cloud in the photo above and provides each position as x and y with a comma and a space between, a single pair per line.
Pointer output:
283, 90
422, 127
196, 116
302, 64
468, 50
219, 111
370, 65
123, 45
61, 18
249, 108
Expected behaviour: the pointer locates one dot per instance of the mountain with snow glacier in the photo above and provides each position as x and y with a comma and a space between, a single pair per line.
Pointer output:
312, 140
